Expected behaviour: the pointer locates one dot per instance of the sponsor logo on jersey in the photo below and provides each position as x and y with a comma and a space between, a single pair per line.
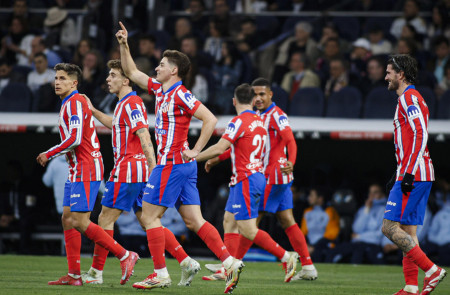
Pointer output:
150, 185
283, 121
96, 154
253, 166
75, 195
139, 156
413, 112
74, 121
236, 206
160, 131
390, 203
136, 116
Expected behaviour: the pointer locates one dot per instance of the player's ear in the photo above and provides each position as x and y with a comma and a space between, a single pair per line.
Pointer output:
253, 101
75, 83
234, 101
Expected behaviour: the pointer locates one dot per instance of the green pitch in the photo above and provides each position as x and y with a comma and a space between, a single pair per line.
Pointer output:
29, 275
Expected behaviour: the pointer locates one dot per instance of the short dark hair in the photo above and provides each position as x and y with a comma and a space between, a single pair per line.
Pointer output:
40, 54
147, 37
261, 82
439, 40
117, 64
180, 60
72, 70
244, 93
406, 64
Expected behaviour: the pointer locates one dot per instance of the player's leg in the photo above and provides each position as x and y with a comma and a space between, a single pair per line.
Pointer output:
410, 269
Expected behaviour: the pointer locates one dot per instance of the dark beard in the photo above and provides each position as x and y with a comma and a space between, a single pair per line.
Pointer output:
393, 86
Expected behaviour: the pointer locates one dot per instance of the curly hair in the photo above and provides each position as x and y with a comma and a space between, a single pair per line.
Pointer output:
406, 64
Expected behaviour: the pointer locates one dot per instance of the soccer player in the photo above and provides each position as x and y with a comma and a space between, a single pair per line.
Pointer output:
173, 180
134, 159
246, 135
278, 168
408, 196
82, 149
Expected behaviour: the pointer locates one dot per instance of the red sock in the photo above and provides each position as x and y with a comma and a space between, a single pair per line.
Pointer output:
156, 243
264, 240
231, 241
410, 271
298, 242
244, 245
173, 246
100, 253
419, 258
73, 248
99, 236
211, 237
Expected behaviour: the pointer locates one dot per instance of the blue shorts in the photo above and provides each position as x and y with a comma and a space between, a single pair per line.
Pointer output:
244, 197
277, 197
173, 185
409, 209
123, 196
81, 196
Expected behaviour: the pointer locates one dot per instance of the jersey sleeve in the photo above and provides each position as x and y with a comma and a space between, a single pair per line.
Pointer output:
234, 130
187, 101
73, 117
153, 86
281, 125
134, 116
225, 155
416, 120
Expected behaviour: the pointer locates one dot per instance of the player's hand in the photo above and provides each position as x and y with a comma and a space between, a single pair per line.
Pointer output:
288, 167
122, 35
189, 155
90, 105
407, 183
211, 163
42, 159
391, 183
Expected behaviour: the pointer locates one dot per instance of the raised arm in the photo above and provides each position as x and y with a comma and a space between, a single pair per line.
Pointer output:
147, 147
214, 150
102, 117
128, 65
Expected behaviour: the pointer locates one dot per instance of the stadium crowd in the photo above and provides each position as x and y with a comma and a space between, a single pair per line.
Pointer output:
339, 62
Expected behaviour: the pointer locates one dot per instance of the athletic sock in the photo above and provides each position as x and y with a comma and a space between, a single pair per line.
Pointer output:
173, 246
298, 242
162, 272
410, 271
100, 253
156, 243
231, 241
419, 258
99, 236
211, 237
72, 238
244, 245
264, 240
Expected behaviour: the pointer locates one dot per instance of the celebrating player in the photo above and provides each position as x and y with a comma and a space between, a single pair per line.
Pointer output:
246, 136
408, 196
134, 159
82, 149
173, 180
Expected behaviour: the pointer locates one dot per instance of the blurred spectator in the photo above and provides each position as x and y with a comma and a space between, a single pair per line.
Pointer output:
376, 71
60, 29
98, 24
378, 44
339, 77
83, 47
221, 15
42, 74
7, 75
189, 46
409, 32
320, 225
249, 38
16, 45
371, 5
55, 176
20, 9
300, 42
439, 233
406, 46
332, 50
444, 85
183, 28
173, 221
439, 24
148, 52
367, 235
441, 57
299, 76
213, 44
199, 20
38, 45
359, 57
410, 16
298, 5
330, 31
93, 74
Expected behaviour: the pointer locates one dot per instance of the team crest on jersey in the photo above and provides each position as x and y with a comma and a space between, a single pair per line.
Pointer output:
164, 108
136, 116
74, 121
413, 112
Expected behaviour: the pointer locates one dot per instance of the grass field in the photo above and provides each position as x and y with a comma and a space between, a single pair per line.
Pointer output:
29, 275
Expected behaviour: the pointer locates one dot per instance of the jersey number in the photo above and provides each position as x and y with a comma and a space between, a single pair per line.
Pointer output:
94, 134
258, 142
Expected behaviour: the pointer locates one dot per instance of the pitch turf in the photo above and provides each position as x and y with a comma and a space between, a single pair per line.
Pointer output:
29, 275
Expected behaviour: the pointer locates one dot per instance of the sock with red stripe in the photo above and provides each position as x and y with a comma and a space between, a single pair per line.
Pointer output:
99, 236
173, 246
410, 272
244, 245
231, 241
100, 253
156, 243
264, 240
419, 258
298, 242
212, 239
72, 237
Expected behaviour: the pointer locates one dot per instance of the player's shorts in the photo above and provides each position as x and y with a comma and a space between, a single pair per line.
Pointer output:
277, 197
123, 196
244, 197
409, 209
173, 185
80, 196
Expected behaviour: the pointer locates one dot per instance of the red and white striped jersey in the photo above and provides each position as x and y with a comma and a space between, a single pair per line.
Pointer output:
279, 137
78, 140
411, 135
174, 110
247, 134
130, 164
